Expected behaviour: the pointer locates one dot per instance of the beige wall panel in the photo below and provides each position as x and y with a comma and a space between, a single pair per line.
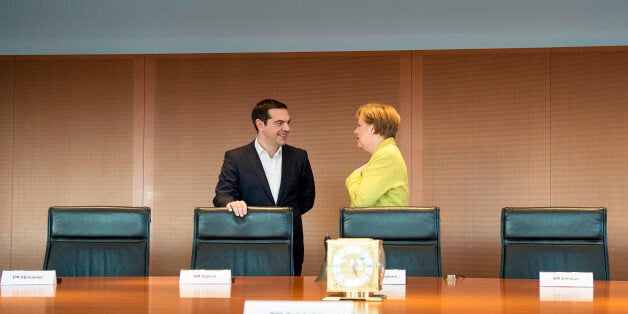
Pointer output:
485, 145
202, 108
590, 139
73, 142
487, 128
6, 159
323, 93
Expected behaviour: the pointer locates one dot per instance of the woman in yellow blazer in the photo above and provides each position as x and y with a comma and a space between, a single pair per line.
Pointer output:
383, 180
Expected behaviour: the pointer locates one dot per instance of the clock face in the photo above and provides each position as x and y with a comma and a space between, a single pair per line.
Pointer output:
353, 265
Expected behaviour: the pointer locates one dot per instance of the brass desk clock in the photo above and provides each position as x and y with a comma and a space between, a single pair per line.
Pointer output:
355, 268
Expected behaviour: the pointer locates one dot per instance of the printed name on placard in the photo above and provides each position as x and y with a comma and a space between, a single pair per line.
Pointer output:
394, 277
565, 279
205, 277
28, 277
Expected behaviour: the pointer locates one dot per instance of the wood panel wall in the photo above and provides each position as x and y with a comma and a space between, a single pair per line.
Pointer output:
72, 142
589, 142
6, 159
202, 107
481, 130
486, 145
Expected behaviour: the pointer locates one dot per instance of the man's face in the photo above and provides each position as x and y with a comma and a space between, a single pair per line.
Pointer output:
275, 132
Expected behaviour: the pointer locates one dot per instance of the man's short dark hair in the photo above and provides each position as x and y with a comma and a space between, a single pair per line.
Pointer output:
260, 111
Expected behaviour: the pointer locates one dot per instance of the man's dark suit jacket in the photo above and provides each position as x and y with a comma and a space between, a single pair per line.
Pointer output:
242, 178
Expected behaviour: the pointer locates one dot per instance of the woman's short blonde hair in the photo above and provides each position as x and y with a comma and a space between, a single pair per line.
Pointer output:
384, 118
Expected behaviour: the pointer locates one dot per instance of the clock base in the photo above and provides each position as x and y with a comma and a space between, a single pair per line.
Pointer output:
355, 295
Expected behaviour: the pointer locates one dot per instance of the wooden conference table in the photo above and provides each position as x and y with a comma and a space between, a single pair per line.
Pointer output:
419, 295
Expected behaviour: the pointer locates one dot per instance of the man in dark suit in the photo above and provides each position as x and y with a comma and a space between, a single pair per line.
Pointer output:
267, 172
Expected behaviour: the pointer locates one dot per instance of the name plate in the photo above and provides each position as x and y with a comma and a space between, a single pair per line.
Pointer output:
301, 307
394, 277
564, 279
28, 277
205, 277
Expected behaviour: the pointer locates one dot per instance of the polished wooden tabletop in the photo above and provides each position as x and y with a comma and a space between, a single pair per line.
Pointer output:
419, 295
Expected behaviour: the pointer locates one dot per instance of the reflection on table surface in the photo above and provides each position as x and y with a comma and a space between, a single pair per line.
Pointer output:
424, 295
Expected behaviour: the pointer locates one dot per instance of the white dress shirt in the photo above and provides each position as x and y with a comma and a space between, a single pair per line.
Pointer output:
272, 168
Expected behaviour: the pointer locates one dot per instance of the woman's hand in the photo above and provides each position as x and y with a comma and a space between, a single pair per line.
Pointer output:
361, 168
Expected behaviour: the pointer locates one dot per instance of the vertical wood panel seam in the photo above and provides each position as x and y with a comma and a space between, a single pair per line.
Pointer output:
144, 124
416, 129
12, 164
551, 128
276, 75
149, 136
138, 129
405, 107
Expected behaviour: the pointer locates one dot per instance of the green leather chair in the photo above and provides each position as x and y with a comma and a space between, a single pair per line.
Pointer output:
553, 239
258, 244
98, 241
411, 235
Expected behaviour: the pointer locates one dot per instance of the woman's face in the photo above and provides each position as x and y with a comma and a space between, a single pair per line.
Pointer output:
364, 133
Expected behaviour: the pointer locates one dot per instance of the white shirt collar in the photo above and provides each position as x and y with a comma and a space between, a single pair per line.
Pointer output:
261, 150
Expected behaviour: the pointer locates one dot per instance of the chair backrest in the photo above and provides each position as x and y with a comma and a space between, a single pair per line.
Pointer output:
553, 239
258, 244
98, 241
411, 235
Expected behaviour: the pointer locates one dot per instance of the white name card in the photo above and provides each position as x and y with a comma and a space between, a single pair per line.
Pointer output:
301, 307
394, 277
565, 279
28, 277
205, 277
